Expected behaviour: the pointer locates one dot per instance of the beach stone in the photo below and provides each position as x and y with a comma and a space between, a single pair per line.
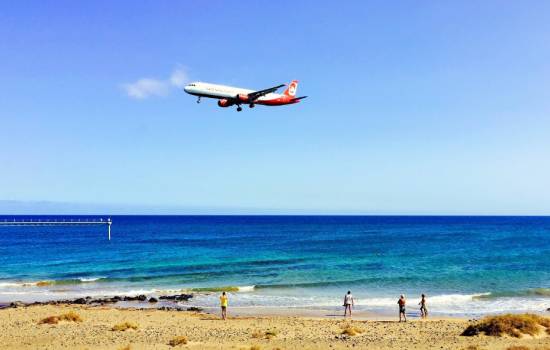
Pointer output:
153, 300
141, 297
17, 304
177, 297
103, 301
194, 309
80, 301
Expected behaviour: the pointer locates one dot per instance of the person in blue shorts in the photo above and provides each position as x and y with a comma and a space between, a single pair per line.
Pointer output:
401, 302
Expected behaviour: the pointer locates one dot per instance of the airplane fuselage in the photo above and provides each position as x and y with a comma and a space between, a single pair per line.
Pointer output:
230, 95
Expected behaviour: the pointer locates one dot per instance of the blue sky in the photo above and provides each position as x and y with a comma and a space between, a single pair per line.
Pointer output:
414, 107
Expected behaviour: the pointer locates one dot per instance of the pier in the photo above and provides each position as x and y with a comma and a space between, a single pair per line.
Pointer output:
59, 222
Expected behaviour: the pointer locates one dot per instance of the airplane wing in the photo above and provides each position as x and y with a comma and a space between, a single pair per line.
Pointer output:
253, 96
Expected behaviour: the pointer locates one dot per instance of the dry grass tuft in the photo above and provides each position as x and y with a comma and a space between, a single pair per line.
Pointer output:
271, 334
49, 320
127, 347
351, 330
255, 347
124, 326
70, 316
179, 340
517, 347
472, 347
264, 335
513, 325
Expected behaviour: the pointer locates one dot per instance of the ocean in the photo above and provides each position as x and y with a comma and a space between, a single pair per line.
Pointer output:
465, 265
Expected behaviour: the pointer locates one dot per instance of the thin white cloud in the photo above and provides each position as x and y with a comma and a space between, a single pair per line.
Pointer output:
179, 78
144, 88
147, 87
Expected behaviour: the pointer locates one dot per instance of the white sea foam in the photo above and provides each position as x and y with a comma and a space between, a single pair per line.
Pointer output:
449, 304
16, 284
249, 296
246, 288
90, 279
19, 284
10, 284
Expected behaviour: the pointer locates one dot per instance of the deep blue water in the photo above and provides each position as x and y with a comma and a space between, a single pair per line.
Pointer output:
291, 260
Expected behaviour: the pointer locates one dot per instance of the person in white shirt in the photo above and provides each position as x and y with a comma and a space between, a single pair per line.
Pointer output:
348, 303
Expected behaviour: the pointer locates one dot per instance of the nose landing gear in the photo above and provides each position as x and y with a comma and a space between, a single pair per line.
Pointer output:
239, 108
199, 99
251, 105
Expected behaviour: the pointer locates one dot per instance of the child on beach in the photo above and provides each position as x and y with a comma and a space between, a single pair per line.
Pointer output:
348, 303
223, 303
423, 309
401, 302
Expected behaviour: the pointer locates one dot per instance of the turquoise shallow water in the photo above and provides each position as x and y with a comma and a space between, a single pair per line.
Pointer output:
466, 265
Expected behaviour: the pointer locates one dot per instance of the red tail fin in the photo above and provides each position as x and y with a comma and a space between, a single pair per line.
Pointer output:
292, 89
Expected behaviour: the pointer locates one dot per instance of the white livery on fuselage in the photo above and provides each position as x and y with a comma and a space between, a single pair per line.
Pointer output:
229, 95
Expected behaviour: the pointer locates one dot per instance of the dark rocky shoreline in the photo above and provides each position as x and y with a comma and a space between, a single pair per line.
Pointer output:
142, 298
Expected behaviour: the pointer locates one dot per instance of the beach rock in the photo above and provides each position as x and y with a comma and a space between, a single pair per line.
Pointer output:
17, 304
177, 297
548, 309
140, 297
153, 300
167, 308
80, 301
194, 309
470, 331
104, 301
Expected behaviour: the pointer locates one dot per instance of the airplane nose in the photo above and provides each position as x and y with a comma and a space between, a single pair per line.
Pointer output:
186, 88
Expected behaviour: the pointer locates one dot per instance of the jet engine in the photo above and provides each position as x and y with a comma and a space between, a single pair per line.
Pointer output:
225, 103
243, 98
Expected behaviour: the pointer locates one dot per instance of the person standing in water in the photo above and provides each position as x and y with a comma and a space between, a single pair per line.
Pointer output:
423, 308
223, 303
348, 303
401, 302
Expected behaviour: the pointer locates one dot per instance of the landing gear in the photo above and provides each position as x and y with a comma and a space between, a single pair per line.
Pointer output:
251, 105
199, 99
239, 108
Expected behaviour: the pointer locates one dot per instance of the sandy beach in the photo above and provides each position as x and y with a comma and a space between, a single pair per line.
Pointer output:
20, 328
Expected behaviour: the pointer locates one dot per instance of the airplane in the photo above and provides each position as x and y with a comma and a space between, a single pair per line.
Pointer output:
228, 96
